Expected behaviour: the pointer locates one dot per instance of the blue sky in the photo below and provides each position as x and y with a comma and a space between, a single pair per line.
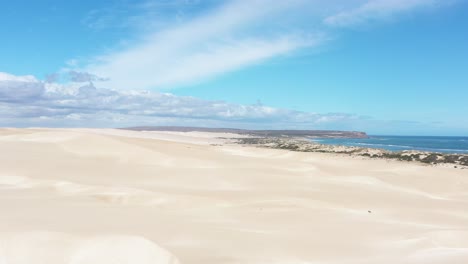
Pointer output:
381, 66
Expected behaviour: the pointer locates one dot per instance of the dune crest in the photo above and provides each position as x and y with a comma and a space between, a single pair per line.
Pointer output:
41, 247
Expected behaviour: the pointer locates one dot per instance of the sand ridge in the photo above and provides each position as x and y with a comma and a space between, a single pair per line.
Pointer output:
57, 248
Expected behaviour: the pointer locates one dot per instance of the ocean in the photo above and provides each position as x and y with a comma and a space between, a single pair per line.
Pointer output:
457, 145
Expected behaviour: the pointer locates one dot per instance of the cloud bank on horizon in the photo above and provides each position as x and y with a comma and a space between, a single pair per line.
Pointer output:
26, 101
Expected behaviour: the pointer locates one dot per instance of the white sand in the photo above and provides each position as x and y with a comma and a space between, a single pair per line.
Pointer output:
113, 196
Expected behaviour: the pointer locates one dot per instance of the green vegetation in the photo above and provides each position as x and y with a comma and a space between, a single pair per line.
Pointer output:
297, 144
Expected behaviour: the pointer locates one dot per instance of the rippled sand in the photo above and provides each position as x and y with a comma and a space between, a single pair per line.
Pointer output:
112, 196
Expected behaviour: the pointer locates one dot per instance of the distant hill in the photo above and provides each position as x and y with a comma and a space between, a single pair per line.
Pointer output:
261, 133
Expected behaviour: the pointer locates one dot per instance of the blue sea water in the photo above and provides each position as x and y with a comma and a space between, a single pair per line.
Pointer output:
457, 145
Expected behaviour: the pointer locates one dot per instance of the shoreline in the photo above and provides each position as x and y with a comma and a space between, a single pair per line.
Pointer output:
305, 145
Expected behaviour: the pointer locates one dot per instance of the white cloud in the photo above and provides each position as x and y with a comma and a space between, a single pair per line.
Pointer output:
76, 104
374, 10
5, 77
231, 35
19, 88
76, 76
137, 72
218, 41
26, 101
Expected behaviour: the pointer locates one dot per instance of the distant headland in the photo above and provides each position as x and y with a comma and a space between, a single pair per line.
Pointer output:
297, 140
263, 133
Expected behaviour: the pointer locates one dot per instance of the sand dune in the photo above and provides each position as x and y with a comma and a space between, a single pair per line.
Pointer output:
54, 248
113, 196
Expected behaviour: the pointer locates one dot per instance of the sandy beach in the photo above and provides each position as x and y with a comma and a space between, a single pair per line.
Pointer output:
114, 196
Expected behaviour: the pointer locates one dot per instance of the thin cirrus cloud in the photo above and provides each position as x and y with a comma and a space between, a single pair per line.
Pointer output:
226, 38
233, 35
376, 10
81, 104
